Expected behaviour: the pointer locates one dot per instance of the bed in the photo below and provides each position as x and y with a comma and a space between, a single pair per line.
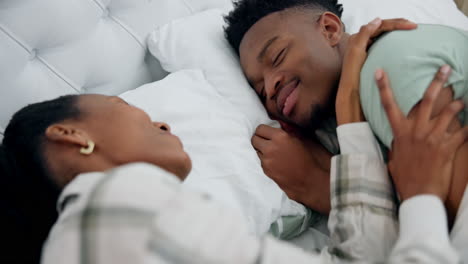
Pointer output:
150, 52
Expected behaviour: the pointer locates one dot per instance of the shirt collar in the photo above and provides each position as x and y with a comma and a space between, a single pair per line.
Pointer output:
82, 184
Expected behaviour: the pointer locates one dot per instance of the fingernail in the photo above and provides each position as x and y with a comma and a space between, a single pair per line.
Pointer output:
376, 21
379, 74
445, 69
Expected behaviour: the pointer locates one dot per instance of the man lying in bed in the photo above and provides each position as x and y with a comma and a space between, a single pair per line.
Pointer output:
112, 211
292, 54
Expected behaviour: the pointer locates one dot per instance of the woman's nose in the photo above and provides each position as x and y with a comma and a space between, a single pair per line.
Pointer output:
162, 126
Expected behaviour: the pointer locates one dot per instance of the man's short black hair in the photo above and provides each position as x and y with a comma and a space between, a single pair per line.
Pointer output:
248, 12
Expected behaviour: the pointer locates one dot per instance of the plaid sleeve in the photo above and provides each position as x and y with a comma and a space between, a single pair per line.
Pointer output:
363, 220
359, 175
360, 179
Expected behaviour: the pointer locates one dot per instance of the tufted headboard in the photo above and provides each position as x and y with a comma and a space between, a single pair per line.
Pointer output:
50, 48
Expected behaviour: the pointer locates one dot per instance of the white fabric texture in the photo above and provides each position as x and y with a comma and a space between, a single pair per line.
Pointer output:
198, 42
444, 12
217, 138
222, 70
55, 47
459, 235
139, 213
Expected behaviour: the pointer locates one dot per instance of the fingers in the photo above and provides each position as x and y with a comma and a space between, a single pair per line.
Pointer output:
259, 143
394, 114
458, 138
366, 32
378, 26
266, 132
446, 117
394, 24
427, 103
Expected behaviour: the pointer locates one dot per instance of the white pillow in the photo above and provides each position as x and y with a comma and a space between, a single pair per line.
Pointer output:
198, 42
445, 12
50, 48
217, 138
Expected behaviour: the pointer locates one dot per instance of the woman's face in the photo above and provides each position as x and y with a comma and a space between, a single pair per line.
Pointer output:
124, 134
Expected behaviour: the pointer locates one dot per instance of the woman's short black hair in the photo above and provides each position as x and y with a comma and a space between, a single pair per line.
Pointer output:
28, 195
248, 12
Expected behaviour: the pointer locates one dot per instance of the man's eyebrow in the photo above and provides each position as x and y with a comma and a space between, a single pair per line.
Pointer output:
265, 48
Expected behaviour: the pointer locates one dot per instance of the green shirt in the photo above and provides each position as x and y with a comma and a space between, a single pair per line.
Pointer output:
411, 59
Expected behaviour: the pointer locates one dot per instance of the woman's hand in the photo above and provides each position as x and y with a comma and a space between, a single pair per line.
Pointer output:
348, 106
423, 149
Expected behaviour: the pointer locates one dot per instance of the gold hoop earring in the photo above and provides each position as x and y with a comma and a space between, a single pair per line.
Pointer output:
89, 149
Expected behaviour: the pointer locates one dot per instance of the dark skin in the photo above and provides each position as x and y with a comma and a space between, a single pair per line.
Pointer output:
122, 134
302, 60
280, 50
289, 58
434, 139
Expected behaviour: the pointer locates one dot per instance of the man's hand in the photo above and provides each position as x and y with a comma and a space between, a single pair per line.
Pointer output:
301, 168
423, 149
348, 105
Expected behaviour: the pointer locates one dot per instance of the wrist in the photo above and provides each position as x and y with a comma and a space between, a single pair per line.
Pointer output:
348, 108
318, 198
408, 194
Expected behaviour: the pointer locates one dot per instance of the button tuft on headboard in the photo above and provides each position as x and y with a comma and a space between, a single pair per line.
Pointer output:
33, 54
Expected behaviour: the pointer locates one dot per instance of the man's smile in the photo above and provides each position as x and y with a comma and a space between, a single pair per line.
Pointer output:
287, 97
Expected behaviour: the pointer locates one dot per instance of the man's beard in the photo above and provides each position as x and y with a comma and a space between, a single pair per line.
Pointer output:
318, 114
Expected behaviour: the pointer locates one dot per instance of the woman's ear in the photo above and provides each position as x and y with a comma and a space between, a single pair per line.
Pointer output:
67, 134
332, 28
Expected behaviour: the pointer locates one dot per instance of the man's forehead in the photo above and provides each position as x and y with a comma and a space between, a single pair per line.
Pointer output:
279, 24
262, 33
264, 29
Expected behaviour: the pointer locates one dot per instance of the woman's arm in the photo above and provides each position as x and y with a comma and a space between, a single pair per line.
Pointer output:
421, 165
362, 197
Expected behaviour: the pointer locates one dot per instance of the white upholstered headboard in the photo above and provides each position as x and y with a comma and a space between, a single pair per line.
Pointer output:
55, 47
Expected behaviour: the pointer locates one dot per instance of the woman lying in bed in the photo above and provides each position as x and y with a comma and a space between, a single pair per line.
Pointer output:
114, 176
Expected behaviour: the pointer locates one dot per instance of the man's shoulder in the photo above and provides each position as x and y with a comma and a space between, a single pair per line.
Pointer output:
426, 40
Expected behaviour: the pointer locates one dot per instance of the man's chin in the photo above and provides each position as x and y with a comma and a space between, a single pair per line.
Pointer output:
317, 116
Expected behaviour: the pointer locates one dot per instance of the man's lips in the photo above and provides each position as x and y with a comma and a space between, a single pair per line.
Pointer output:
287, 97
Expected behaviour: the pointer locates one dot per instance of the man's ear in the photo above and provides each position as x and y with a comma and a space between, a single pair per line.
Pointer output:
67, 134
332, 28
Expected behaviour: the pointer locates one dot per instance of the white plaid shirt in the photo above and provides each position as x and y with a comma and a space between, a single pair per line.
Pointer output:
139, 213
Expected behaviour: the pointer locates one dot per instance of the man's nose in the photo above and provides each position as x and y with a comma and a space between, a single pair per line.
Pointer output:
272, 85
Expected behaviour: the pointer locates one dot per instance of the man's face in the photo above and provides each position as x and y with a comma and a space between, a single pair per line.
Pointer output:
293, 67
